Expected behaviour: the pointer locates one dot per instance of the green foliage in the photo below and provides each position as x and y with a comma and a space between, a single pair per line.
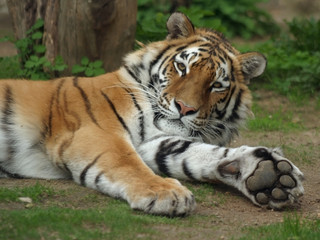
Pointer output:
9, 67
294, 60
233, 18
31, 53
33, 63
89, 69
291, 228
240, 18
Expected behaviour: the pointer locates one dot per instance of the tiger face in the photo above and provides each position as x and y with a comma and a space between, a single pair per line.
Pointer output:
200, 82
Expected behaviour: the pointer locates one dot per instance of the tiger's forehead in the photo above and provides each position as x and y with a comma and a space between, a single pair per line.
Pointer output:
188, 55
203, 54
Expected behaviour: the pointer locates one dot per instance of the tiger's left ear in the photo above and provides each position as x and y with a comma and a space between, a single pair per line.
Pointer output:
252, 64
179, 26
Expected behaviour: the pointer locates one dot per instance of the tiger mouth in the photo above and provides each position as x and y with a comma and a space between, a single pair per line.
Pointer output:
178, 123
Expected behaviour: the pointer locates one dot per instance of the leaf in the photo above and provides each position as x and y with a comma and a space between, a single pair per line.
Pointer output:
39, 23
84, 61
60, 68
35, 76
29, 64
36, 35
39, 48
42, 60
34, 58
97, 64
77, 69
89, 72
99, 71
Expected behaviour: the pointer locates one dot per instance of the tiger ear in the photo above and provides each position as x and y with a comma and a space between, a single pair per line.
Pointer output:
179, 26
252, 64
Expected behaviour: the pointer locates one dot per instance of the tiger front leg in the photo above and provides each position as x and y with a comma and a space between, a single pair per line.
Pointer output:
118, 171
261, 174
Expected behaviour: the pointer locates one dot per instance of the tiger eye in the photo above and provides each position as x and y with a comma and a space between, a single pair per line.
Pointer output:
217, 85
181, 66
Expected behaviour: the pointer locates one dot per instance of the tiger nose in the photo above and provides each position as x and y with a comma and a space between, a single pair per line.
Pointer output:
184, 109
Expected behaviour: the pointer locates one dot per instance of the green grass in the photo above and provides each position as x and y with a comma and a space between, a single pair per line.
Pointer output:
277, 120
206, 194
292, 228
116, 221
35, 192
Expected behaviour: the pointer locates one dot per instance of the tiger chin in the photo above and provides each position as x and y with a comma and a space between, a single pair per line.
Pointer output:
171, 109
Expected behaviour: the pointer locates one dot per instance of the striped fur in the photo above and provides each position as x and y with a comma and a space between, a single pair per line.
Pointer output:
170, 109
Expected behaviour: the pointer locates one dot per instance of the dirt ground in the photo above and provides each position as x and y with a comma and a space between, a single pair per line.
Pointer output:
236, 211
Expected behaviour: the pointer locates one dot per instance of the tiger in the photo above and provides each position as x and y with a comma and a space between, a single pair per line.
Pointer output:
167, 114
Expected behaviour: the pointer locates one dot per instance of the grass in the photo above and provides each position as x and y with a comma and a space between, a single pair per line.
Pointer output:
112, 222
90, 216
292, 228
35, 192
277, 120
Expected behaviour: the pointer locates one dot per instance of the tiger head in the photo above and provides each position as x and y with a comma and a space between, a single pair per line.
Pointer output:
199, 82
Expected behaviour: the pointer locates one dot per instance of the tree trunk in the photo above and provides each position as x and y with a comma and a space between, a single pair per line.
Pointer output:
97, 29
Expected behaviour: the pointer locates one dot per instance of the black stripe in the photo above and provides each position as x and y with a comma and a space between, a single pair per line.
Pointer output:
225, 154
58, 93
186, 170
141, 116
97, 180
184, 146
85, 100
132, 74
163, 61
167, 148
156, 60
64, 145
85, 170
54, 98
222, 113
67, 169
124, 125
151, 205
7, 121
234, 115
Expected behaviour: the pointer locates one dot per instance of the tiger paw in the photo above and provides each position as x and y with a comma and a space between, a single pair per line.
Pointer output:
275, 183
167, 197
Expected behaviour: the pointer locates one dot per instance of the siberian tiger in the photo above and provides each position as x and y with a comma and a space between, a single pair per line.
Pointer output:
170, 109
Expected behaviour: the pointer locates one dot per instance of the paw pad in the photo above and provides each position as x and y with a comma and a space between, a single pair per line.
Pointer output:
270, 182
287, 181
264, 177
284, 167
